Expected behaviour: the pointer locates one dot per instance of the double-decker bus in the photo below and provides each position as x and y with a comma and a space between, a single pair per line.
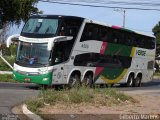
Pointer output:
70, 50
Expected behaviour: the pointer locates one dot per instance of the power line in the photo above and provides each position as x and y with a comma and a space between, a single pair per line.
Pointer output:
99, 6
114, 2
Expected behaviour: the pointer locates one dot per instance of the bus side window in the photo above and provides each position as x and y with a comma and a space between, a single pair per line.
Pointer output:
72, 31
84, 34
141, 41
95, 33
134, 43
150, 43
62, 31
103, 34
89, 35
117, 37
114, 37
87, 32
130, 40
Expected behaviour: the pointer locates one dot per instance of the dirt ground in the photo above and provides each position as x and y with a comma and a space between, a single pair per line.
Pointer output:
147, 105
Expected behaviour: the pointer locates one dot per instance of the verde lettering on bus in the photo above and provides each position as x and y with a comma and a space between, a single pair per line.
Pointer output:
84, 46
141, 52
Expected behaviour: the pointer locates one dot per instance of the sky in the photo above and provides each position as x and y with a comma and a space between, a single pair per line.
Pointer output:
138, 20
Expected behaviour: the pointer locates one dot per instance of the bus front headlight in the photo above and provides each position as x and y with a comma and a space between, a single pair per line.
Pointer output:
45, 79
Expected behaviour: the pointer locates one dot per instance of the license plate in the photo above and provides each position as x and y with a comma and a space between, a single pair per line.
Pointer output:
27, 79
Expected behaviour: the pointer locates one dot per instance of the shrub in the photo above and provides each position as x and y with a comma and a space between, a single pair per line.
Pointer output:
105, 97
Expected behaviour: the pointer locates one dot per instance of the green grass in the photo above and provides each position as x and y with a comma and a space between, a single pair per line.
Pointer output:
104, 97
157, 74
4, 66
6, 78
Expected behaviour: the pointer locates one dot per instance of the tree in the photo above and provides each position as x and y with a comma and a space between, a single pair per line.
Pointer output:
4, 34
15, 11
156, 31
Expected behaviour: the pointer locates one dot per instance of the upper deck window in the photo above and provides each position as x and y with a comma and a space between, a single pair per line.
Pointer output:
41, 26
51, 26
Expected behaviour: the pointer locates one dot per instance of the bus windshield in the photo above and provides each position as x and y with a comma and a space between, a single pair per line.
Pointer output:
32, 54
41, 26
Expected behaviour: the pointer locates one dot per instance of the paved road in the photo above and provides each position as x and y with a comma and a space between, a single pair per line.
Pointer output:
12, 94
151, 88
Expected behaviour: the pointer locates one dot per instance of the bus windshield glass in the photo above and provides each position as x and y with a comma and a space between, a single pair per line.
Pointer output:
32, 54
41, 26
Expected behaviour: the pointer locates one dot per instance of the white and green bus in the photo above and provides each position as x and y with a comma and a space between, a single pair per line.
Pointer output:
66, 50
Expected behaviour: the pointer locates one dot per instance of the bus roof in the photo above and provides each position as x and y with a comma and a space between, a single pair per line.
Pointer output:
92, 21
120, 28
134, 31
56, 16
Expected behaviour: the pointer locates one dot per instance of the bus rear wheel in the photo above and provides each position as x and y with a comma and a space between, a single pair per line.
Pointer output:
137, 82
88, 80
74, 81
130, 81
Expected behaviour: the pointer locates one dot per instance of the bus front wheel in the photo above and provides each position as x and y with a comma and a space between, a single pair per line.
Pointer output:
45, 87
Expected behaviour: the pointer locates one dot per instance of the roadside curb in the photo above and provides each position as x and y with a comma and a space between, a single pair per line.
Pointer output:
156, 77
30, 114
5, 72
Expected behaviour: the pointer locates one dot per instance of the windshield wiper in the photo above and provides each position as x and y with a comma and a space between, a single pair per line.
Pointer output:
45, 65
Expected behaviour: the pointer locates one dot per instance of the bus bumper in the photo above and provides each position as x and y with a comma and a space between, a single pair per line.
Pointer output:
45, 79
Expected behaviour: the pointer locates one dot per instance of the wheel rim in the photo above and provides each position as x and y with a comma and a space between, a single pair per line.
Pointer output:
130, 81
88, 81
137, 82
74, 81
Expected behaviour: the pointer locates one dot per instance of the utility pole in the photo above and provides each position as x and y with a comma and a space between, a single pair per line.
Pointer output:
124, 15
124, 18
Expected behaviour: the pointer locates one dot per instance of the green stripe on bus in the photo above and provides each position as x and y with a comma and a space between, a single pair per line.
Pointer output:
114, 75
33, 79
117, 49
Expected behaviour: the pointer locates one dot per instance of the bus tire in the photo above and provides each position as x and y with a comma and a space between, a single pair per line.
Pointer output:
110, 85
88, 80
45, 87
137, 82
74, 81
130, 81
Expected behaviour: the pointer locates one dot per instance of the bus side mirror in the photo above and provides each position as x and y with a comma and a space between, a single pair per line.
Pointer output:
9, 39
57, 39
